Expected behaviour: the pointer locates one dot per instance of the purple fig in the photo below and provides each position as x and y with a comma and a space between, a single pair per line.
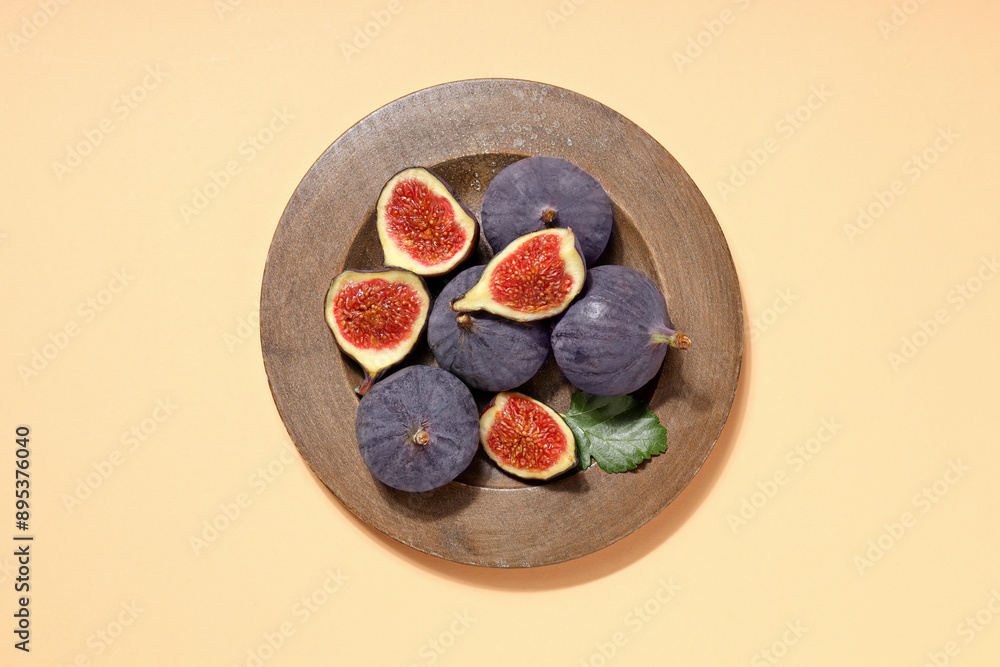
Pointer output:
543, 192
614, 338
417, 429
486, 351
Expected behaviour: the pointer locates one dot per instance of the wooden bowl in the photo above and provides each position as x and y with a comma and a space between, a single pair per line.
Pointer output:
468, 131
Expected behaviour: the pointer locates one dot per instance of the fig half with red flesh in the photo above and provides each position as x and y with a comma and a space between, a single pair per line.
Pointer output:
525, 437
377, 317
421, 226
535, 277
543, 192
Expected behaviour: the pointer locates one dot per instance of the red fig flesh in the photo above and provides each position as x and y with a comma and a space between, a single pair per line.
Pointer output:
421, 226
376, 317
525, 437
535, 277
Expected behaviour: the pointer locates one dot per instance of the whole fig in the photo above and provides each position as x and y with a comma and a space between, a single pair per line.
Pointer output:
614, 338
417, 429
543, 192
488, 352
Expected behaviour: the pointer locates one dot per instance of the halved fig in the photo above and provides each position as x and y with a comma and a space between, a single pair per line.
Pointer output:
543, 192
525, 437
535, 277
421, 225
376, 317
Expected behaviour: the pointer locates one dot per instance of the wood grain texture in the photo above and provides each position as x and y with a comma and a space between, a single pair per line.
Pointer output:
467, 131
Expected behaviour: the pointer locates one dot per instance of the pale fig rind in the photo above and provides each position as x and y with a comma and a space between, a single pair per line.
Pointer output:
614, 338
543, 445
562, 258
542, 192
449, 237
417, 429
486, 351
391, 302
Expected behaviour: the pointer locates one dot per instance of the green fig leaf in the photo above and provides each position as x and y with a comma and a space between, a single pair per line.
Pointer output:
619, 432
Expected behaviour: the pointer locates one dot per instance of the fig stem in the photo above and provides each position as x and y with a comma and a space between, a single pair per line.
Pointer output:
673, 339
455, 301
366, 384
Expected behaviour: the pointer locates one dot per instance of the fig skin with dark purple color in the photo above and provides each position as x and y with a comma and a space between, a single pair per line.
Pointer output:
614, 337
417, 429
541, 192
486, 351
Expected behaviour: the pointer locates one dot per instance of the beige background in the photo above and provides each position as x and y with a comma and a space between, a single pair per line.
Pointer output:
873, 344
